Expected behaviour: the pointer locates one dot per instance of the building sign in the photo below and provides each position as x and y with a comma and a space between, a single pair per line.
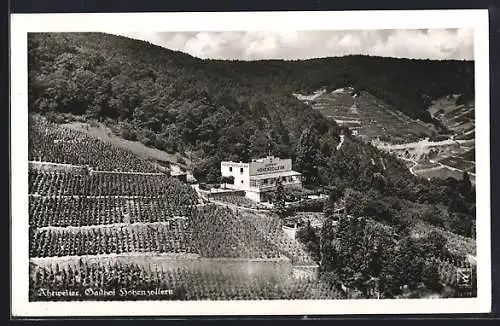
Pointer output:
270, 168
234, 164
258, 168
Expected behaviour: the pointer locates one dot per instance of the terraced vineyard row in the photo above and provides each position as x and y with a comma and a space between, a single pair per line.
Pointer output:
221, 235
49, 142
94, 241
85, 211
269, 227
110, 184
210, 231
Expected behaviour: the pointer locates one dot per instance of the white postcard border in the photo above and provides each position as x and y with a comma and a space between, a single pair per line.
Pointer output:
21, 24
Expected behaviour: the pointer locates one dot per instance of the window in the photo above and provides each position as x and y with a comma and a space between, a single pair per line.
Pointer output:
241, 170
253, 183
241, 181
230, 169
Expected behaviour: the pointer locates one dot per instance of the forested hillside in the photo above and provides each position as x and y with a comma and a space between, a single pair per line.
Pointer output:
214, 110
165, 99
179, 102
408, 85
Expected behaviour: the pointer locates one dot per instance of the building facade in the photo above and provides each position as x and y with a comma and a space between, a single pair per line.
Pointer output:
260, 175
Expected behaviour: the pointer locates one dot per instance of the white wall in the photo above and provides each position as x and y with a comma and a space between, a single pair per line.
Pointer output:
241, 180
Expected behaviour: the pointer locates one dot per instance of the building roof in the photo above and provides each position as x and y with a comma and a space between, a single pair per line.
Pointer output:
274, 175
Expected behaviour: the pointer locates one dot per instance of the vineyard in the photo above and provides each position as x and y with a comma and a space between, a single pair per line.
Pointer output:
48, 142
110, 184
96, 240
372, 117
219, 235
82, 210
210, 231
269, 227
107, 211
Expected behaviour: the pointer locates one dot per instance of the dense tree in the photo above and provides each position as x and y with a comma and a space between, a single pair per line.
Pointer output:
435, 244
308, 155
465, 186
358, 251
208, 170
411, 265
334, 194
279, 200
354, 202
307, 235
327, 246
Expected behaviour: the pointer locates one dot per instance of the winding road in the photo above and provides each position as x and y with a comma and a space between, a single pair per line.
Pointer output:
414, 165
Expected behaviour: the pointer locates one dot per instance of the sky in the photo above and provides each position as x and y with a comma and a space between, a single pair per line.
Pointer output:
439, 44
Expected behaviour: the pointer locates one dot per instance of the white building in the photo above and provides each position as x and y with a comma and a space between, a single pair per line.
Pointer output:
260, 175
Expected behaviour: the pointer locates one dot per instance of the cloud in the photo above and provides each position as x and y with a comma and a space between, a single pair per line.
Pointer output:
420, 44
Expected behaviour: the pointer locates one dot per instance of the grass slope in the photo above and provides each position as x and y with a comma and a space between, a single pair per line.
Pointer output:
100, 131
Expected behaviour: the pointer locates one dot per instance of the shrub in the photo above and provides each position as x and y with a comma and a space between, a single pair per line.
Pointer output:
228, 180
146, 141
55, 117
129, 134
308, 205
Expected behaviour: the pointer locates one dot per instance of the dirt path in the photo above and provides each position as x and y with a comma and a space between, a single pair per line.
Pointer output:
341, 142
413, 167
